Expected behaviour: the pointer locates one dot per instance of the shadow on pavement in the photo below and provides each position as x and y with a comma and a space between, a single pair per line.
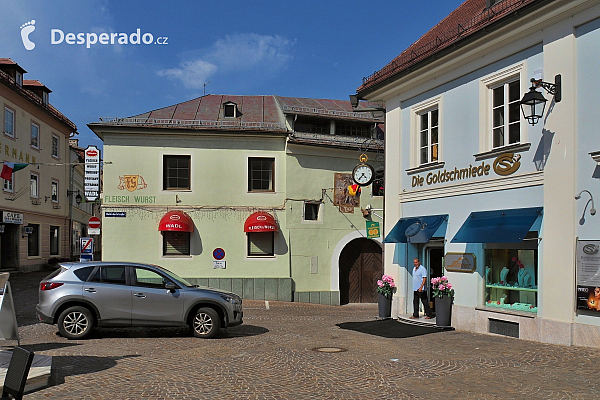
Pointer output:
63, 366
238, 331
242, 331
36, 348
388, 328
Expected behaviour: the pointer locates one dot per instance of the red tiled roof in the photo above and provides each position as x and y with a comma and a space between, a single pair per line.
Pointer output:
470, 17
35, 83
8, 61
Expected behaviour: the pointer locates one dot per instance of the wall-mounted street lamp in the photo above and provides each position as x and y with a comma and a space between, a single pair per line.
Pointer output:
592, 210
533, 102
354, 100
78, 198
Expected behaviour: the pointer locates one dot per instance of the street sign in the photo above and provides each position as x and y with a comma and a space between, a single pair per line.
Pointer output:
219, 264
94, 222
219, 253
87, 245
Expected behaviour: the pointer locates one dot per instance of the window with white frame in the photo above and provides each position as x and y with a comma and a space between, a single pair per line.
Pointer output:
506, 117
54, 192
34, 185
261, 244
19, 78
428, 136
9, 184
33, 240
35, 135
312, 211
176, 243
55, 146
9, 122
261, 174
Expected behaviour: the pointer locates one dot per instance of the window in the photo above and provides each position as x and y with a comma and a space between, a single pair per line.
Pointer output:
506, 125
34, 186
82, 273
33, 240
55, 146
311, 211
378, 188
45, 98
9, 185
54, 192
9, 122
176, 243
349, 129
54, 240
19, 78
176, 172
261, 175
35, 135
150, 279
428, 137
229, 110
110, 274
511, 277
311, 125
261, 243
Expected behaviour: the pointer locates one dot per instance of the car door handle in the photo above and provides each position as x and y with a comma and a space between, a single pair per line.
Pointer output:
140, 295
91, 290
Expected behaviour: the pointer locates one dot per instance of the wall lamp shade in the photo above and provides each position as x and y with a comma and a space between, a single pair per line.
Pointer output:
78, 198
533, 102
354, 100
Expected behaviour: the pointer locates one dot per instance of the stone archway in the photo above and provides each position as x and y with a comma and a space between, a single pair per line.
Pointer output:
360, 266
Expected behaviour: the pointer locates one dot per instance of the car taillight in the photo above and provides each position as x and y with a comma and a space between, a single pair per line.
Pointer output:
50, 285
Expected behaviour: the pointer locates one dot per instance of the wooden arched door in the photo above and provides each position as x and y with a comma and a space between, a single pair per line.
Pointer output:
360, 267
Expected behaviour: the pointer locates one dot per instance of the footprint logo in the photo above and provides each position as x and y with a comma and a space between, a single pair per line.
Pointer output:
26, 29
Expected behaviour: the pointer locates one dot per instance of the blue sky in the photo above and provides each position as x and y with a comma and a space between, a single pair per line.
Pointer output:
319, 49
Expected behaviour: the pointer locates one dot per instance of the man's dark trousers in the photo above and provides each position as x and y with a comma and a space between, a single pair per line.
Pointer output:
423, 296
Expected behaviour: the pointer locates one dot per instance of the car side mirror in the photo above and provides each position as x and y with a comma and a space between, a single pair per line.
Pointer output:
170, 286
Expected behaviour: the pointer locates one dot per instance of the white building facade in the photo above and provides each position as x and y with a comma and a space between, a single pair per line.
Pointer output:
479, 194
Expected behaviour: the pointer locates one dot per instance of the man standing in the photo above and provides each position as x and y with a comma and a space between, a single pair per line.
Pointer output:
420, 290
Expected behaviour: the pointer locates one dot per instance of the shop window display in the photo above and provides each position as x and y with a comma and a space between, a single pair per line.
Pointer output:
511, 279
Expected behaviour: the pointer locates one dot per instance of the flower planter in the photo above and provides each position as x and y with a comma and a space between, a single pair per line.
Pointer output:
385, 306
443, 311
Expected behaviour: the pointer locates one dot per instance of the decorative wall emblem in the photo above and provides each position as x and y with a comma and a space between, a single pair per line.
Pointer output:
591, 249
131, 183
507, 163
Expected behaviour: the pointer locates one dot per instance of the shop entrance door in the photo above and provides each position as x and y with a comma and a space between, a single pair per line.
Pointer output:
435, 264
9, 247
360, 267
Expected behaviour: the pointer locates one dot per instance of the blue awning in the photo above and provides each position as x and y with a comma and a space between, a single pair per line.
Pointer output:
416, 229
498, 226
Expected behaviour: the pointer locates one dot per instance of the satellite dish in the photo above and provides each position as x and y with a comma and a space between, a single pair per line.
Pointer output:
413, 229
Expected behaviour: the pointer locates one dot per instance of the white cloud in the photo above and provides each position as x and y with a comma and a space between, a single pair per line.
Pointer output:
233, 53
193, 74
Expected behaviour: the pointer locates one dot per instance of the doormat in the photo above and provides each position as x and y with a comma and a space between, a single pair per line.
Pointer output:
388, 328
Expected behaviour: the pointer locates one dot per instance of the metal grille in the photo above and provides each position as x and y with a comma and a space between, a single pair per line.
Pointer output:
504, 328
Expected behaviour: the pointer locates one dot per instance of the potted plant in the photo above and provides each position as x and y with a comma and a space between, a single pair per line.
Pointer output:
385, 288
444, 297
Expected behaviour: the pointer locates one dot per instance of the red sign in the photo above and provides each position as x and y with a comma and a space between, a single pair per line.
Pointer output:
94, 222
92, 153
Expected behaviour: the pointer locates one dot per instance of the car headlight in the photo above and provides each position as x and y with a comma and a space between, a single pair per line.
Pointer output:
230, 299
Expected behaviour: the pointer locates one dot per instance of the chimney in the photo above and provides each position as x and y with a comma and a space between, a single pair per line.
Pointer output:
73, 142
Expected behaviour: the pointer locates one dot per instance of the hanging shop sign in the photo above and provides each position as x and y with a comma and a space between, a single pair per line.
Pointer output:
460, 262
373, 229
341, 192
504, 165
12, 217
132, 183
91, 179
588, 275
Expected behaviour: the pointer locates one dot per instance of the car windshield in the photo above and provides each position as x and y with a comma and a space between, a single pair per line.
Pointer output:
174, 276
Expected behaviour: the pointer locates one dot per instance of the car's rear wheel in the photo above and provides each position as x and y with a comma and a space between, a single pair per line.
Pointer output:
76, 322
206, 323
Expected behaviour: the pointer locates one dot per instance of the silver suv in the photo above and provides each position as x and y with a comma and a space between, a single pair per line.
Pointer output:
80, 296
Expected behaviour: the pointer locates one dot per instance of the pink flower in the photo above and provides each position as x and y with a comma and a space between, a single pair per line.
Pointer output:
449, 285
435, 280
442, 287
380, 283
392, 284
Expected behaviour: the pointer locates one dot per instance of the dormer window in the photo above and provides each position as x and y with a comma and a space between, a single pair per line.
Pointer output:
229, 110
19, 78
45, 98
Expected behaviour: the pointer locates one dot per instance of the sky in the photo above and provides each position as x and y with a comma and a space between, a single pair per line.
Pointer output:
313, 49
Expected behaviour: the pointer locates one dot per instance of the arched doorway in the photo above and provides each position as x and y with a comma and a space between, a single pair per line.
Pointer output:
360, 267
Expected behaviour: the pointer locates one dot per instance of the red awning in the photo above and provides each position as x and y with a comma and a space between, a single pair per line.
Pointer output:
260, 222
177, 221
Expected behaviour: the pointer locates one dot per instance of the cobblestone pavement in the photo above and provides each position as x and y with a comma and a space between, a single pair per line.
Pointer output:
272, 356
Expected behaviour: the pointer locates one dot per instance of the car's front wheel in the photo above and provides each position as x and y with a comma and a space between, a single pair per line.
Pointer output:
206, 323
76, 322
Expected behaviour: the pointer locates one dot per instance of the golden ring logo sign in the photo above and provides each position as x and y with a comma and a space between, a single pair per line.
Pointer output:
131, 183
507, 163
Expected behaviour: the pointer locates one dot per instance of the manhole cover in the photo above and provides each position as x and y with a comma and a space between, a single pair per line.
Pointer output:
329, 349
